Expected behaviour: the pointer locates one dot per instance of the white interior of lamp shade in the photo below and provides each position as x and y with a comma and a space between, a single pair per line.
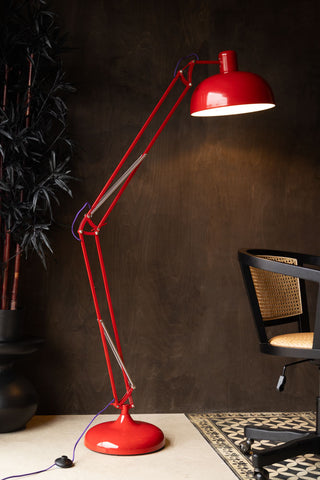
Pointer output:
233, 109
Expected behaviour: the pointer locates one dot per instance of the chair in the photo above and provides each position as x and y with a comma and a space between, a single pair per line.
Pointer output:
275, 283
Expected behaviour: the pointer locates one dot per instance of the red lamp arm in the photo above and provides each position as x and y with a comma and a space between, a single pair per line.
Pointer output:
89, 228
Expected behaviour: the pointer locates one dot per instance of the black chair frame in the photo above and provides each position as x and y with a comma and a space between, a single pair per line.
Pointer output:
307, 269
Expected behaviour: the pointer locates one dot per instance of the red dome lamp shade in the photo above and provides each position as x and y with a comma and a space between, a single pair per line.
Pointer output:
230, 92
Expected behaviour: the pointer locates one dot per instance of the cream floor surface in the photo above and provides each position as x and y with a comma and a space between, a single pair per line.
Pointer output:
185, 456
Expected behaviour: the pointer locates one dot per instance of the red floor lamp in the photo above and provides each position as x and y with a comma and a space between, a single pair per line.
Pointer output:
226, 93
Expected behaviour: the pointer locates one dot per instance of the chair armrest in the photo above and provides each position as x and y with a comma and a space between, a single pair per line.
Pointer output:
250, 258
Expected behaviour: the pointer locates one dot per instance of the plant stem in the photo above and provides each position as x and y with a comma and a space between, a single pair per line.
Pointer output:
29, 91
14, 294
4, 104
6, 256
5, 87
15, 286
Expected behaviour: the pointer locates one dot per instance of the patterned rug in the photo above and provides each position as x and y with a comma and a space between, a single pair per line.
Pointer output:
224, 432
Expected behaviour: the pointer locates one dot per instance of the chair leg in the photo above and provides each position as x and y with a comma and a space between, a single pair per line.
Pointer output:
275, 435
310, 443
252, 433
296, 443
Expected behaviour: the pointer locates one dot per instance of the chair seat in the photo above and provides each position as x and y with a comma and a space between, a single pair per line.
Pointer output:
293, 340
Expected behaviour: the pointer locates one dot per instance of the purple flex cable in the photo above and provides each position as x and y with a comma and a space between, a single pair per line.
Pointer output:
74, 448
184, 58
75, 219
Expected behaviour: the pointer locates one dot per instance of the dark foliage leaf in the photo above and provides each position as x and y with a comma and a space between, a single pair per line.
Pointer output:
5, 133
35, 148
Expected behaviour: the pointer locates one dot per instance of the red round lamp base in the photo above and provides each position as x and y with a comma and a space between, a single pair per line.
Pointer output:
124, 436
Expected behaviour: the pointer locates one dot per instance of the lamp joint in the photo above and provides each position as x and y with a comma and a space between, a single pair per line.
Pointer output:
80, 231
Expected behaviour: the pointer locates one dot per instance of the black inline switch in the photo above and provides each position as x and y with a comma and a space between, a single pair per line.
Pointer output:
63, 462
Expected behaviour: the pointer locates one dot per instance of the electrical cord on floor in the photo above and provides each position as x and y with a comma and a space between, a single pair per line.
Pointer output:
63, 461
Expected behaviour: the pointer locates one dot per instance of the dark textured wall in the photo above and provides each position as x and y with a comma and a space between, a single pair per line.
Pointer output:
209, 187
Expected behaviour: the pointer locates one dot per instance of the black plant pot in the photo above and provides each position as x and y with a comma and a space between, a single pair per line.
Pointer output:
18, 398
11, 325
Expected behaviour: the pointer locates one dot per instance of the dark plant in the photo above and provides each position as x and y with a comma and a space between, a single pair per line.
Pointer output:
34, 145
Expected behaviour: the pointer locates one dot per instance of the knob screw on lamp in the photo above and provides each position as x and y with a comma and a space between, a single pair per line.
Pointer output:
230, 92
226, 93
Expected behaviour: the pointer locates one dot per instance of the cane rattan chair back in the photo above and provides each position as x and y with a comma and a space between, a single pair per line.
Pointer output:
279, 296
